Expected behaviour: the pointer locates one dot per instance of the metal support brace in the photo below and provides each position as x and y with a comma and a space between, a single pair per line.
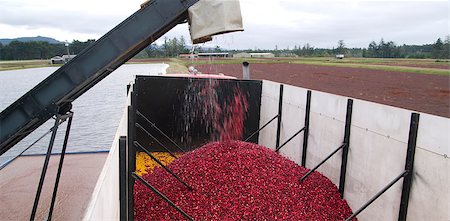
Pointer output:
60, 165
44, 168
159, 142
256, 132
123, 178
280, 111
403, 174
161, 164
287, 141
306, 133
320, 164
348, 123
148, 185
29, 146
406, 174
160, 131
409, 166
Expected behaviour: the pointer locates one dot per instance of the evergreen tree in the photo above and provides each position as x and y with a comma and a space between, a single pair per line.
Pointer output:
341, 49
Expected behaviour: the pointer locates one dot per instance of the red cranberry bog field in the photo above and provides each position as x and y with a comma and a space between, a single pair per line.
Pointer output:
420, 85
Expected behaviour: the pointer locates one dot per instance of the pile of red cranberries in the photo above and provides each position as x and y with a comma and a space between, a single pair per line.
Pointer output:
234, 180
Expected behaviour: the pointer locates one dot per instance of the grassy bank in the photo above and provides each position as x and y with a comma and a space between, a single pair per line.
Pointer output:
15, 65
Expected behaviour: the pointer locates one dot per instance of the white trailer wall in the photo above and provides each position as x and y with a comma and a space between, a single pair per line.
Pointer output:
104, 203
378, 143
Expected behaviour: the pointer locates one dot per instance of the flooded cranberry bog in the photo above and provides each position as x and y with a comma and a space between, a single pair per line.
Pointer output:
252, 149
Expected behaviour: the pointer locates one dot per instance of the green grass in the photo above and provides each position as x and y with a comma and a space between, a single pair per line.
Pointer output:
16, 65
380, 67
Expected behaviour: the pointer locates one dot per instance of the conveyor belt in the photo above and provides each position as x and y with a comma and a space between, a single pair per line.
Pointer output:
56, 93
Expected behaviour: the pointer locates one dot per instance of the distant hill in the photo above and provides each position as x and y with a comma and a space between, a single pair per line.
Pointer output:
6, 41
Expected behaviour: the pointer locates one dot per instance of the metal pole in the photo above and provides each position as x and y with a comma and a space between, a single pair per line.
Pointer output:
162, 165
306, 133
377, 195
245, 70
320, 164
44, 168
67, 46
61, 162
148, 185
280, 110
409, 166
131, 159
123, 178
348, 123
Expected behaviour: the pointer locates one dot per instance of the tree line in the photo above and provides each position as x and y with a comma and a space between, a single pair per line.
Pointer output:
383, 49
172, 47
17, 50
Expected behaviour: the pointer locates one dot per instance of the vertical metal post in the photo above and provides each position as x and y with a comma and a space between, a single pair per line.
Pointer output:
61, 162
123, 177
306, 132
245, 70
44, 168
409, 166
280, 111
131, 156
348, 122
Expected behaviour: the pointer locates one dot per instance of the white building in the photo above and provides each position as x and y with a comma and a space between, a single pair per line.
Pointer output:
253, 55
242, 55
67, 58
262, 55
339, 56
214, 54
57, 60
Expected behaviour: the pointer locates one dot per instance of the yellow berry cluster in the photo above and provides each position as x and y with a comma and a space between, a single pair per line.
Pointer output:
145, 164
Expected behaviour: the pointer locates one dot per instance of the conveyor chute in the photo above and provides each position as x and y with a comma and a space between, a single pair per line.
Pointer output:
57, 91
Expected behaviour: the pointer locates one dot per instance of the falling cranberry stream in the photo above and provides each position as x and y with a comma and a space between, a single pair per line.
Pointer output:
234, 180
223, 116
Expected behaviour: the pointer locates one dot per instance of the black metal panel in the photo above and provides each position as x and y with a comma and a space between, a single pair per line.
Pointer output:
88, 68
167, 102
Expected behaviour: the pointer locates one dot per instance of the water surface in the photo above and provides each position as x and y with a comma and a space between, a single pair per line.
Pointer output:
96, 113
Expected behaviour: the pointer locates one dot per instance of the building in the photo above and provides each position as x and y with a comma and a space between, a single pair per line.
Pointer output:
188, 56
339, 56
61, 59
253, 55
214, 54
67, 58
262, 55
57, 60
242, 55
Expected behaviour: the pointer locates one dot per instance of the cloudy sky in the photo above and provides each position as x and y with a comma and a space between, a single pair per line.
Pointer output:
267, 23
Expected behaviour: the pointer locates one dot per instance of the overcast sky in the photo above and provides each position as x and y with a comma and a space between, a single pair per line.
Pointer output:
267, 23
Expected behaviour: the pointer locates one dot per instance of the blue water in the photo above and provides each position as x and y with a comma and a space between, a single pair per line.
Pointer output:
96, 113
